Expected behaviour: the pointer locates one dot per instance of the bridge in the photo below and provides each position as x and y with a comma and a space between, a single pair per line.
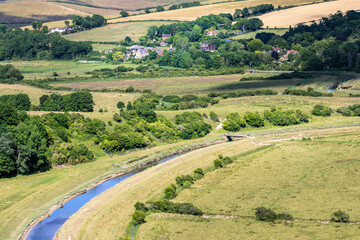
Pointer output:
232, 136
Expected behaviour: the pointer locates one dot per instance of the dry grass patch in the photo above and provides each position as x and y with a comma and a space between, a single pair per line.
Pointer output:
305, 14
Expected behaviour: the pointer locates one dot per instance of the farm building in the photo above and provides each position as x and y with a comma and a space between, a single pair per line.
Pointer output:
212, 33
163, 44
60, 30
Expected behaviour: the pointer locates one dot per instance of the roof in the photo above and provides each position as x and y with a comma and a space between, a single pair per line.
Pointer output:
166, 35
211, 32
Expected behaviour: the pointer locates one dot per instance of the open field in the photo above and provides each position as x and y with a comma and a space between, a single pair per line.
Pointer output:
115, 32
103, 47
291, 177
189, 14
206, 84
26, 12
305, 14
253, 34
108, 215
43, 69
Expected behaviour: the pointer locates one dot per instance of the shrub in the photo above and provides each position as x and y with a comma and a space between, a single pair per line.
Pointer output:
199, 171
254, 119
340, 216
234, 122
117, 118
170, 192
170, 207
180, 180
141, 206
284, 216
214, 117
265, 214
138, 217
227, 160
130, 89
321, 110
350, 111
285, 118
218, 163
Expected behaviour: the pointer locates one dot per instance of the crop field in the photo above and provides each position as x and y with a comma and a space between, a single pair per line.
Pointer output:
189, 14
107, 215
305, 14
249, 35
286, 177
115, 32
26, 12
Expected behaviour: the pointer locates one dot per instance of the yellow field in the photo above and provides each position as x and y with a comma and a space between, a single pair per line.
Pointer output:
26, 12
305, 14
189, 14
115, 32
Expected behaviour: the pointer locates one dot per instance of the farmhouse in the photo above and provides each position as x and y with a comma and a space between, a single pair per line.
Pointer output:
166, 36
212, 33
238, 32
140, 54
60, 30
208, 47
163, 44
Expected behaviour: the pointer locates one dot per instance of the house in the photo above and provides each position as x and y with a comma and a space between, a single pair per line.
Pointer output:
163, 44
286, 56
166, 36
276, 49
208, 47
60, 30
228, 41
212, 33
159, 51
140, 54
238, 32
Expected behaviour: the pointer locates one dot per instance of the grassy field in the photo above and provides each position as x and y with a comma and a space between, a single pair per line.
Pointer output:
115, 32
26, 12
103, 47
43, 69
252, 34
310, 180
305, 14
189, 14
107, 215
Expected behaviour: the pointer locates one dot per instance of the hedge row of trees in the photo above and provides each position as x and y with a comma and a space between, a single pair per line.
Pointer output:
252, 11
310, 92
234, 122
73, 102
87, 22
185, 5
34, 44
353, 110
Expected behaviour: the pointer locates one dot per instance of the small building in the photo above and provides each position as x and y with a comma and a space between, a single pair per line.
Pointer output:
285, 57
212, 33
60, 30
276, 49
159, 51
238, 32
166, 36
140, 54
208, 47
228, 41
163, 44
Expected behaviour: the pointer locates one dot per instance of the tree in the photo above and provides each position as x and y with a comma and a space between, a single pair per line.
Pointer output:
196, 33
67, 23
255, 45
36, 25
118, 57
340, 216
160, 9
138, 217
128, 39
120, 105
7, 156
8, 115
182, 43
124, 13
147, 10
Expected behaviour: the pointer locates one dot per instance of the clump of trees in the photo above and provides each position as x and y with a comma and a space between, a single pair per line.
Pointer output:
87, 22
285, 118
321, 110
19, 101
192, 125
70, 154
340, 216
350, 111
310, 92
221, 161
8, 73
268, 215
75, 102
234, 122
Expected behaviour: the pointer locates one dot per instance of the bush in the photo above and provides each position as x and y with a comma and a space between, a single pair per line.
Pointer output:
170, 207
321, 110
130, 89
234, 122
117, 118
254, 119
180, 180
138, 217
170, 192
284, 216
120, 105
141, 206
350, 111
285, 118
214, 117
340, 216
218, 163
227, 160
199, 171
265, 214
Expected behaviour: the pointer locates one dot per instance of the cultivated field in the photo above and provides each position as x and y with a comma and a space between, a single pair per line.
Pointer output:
108, 215
26, 12
305, 14
188, 14
115, 32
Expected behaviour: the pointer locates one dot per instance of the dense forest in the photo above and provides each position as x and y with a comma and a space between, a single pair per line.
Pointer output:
36, 44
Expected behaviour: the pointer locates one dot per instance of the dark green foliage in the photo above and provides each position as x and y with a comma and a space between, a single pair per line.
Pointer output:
227, 160
284, 216
172, 99
8, 73
71, 154
285, 118
310, 92
124, 13
77, 102
254, 119
141, 206
321, 110
214, 117
170, 192
199, 171
120, 105
8, 115
7, 155
138, 217
117, 118
350, 111
193, 125
265, 214
170, 207
130, 89
340, 216
234, 122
